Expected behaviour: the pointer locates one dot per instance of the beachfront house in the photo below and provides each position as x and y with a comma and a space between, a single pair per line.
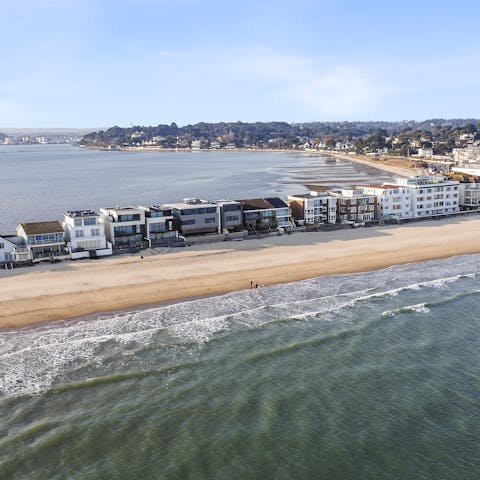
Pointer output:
231, 215
44, 240
85, 235
314, 208
123, 227
469, 195
261, 215
161, 227
355, 206
432, 196
6, 250
13, 250
469, 191
196, 216
393, 201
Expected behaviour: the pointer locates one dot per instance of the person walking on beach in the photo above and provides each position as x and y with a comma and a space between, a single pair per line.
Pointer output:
251, 283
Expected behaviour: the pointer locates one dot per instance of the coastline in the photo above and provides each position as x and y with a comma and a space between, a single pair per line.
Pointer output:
73, 289
382, 163
400, 167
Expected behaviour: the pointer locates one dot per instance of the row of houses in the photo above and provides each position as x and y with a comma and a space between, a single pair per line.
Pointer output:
86, 233
91, 234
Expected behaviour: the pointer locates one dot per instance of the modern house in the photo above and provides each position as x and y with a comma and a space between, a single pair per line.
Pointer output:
469, 191
231, 215
123, 227
85, 235
161, 227
355, 206
44, 240
431, 196
393, 201
196, 216
262, 215
314, 208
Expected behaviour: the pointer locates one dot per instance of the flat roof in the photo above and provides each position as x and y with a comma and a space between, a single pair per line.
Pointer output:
263, 203
81, 213
135, 209
190, 205
310, 195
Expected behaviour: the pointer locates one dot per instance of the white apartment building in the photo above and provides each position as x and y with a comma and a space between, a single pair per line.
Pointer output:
467, 157
469, 195
314, 208
123, 226
85, 235
425, 152
355, 206
432, 196
393, 201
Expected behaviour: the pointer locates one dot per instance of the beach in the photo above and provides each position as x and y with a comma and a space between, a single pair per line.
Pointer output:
398, 166
71, 289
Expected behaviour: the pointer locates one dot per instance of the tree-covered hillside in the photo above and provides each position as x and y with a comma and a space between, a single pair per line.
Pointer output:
399, 137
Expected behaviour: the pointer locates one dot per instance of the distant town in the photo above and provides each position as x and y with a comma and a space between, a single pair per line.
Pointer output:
42, 136
436, 137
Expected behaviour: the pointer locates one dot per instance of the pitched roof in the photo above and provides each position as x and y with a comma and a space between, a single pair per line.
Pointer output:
40, 228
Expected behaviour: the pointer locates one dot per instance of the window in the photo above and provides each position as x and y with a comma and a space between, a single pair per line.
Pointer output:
129, 218
78, 233
95, 232
46, 238
90, 221
232, 218
77, 222
188, 222
210, 220
232, 208
157, 227
127, 230
198, 211
2, 245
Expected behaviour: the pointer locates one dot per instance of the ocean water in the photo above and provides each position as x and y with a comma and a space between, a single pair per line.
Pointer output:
41, 182
365, 376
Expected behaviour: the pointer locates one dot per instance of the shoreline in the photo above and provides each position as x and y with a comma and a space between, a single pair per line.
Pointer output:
75, 289
382, 163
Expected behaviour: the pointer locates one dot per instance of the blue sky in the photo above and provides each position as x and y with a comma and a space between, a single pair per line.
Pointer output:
98, 63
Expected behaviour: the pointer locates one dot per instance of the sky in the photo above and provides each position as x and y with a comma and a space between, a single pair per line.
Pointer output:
99, 63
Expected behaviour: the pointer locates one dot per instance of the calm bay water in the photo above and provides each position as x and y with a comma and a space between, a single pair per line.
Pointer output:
41, 182
364, 376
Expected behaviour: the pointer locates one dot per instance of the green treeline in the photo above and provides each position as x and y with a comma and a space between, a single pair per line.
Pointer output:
396, 137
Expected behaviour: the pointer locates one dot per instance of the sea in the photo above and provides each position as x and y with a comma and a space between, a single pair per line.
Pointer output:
371, 375
42, 182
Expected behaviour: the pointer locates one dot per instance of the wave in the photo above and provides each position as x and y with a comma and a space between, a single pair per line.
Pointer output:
35, 359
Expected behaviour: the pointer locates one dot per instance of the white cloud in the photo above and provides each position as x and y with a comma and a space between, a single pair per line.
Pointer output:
319, 89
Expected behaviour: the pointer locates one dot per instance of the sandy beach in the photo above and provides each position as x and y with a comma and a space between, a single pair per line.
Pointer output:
72, 289
400, 167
